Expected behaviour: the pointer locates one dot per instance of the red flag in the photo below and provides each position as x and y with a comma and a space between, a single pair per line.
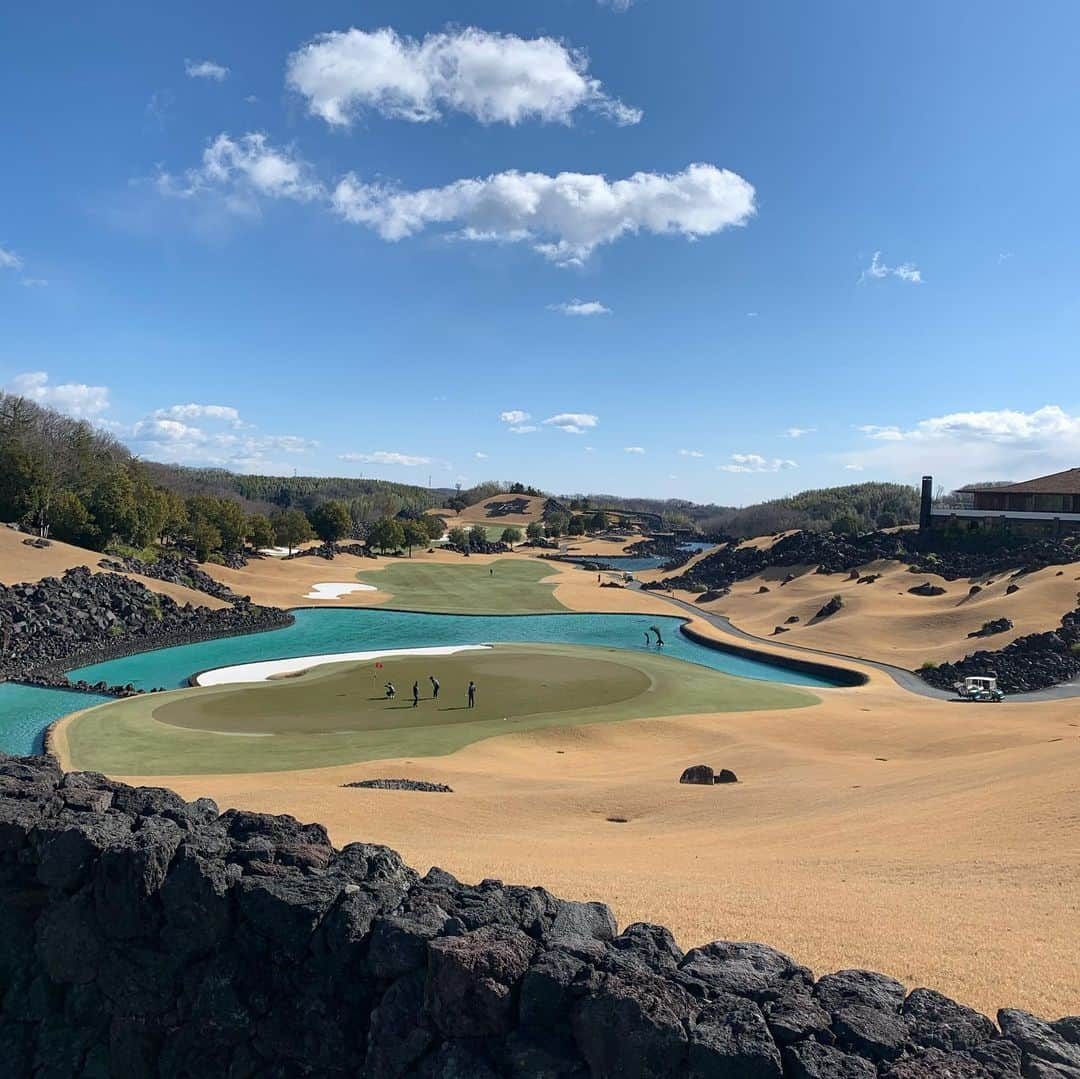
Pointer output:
377, 664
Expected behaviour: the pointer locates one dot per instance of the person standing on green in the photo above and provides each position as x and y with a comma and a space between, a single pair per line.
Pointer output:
415, 694
472, 694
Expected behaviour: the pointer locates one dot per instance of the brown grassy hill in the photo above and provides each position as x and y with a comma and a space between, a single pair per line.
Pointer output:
19, 563
883, 621
499, 512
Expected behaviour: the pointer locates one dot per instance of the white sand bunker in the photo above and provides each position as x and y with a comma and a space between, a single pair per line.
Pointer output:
270, 668
276, 552
336, 589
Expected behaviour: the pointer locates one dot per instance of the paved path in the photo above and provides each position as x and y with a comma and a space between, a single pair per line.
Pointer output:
900, 675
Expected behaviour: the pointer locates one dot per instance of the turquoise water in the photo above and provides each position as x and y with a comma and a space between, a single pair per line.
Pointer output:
25, 711
633, 564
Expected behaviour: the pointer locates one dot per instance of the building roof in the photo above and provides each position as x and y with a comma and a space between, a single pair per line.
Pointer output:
1060, 483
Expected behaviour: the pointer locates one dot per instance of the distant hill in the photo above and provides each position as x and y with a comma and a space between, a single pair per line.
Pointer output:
262, 494
859, 506
866, 506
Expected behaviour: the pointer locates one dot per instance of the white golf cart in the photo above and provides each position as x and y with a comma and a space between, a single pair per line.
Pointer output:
982, 689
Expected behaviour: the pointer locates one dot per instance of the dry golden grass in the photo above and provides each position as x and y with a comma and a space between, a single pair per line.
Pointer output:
19, 563
884, 621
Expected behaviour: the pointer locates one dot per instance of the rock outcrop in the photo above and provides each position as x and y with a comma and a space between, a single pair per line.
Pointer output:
58, 623
183, 571
142, 935
1036, 661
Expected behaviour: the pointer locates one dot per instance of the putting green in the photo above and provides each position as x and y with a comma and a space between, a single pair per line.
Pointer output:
506, 586
337, 714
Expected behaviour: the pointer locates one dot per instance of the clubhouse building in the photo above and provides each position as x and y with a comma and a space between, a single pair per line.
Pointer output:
1049, 505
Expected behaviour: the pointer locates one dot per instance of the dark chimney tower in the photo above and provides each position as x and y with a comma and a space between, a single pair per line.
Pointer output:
926, 503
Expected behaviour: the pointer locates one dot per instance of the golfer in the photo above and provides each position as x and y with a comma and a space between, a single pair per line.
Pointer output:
472, 694
415, 694
391, 693
435, 687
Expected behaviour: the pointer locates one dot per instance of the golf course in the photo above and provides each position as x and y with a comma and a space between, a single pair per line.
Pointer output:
339, 713
505, 586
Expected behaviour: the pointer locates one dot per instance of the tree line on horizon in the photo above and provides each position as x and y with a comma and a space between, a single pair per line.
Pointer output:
69, 479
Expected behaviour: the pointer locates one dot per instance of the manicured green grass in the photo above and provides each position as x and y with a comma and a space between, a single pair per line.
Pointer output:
507, 586
336, 714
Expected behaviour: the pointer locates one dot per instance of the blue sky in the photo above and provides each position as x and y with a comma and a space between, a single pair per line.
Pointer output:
720, 251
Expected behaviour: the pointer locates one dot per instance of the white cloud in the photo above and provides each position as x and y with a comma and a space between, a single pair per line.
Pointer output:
573, 423
514, 415
753, 462
220, 439
633, 449
33, 282
968, 446
386, 457
799, 432
620, 6
74, 398
9, 260
523, 429
584, 308
691, 453
877, 269
480, 456
853, 468
199, 412
242, 170
563, 217
495, 78
205, 69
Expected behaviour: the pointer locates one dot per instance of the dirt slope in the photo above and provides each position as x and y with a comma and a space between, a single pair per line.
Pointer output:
19, 563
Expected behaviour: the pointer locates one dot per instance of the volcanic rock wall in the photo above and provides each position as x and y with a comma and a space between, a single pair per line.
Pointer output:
142, 935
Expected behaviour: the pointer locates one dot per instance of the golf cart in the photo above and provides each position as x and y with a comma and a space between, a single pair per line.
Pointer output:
980, 688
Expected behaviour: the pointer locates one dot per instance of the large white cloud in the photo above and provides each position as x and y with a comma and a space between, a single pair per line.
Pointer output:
215, 435
74, 398
496, 78
565, 217
243, 169
9, 260
965, 447
514, 415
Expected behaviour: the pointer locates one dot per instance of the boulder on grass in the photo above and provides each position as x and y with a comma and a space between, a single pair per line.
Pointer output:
700, 774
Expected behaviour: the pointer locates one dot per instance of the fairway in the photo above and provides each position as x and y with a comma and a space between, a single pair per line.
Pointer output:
506, 586
337, 713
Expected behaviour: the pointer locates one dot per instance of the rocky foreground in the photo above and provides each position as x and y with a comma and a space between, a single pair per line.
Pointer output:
52, 625
142, 935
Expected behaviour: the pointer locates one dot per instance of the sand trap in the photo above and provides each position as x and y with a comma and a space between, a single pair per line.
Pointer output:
270, 668
276, 552
337, 589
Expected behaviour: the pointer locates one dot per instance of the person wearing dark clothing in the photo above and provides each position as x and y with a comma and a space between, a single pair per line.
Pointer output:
435, 687
415, 694
472, 694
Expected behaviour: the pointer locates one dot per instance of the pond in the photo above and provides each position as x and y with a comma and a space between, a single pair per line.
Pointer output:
26, 711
